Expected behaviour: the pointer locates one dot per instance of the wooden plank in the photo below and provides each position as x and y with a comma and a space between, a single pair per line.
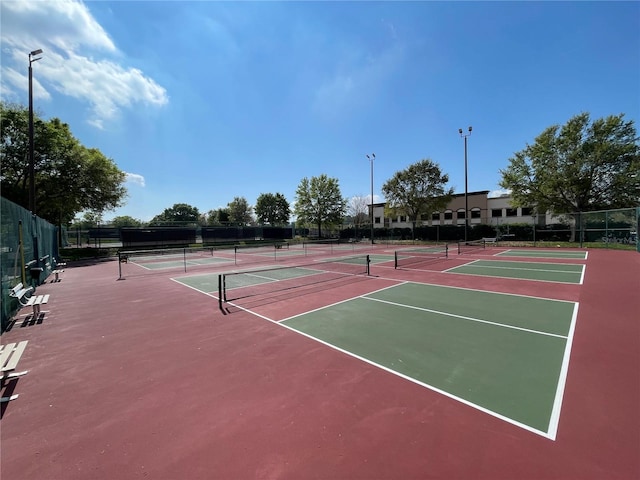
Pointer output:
15, 358
45, 299
5, 353
8, 399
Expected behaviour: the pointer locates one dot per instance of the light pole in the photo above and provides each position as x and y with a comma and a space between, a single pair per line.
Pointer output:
32, 176
466, 193
371, 159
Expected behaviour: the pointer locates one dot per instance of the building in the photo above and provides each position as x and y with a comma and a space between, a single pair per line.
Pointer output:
482, 210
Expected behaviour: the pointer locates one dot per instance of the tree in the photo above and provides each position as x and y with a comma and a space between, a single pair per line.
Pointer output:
358, 210
418, 190
179, 213
69, 177
319, 202
239, 211
126, 221
577, 167
217, 217
272, 209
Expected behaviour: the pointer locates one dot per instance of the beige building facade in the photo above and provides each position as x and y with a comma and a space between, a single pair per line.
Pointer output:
482, 210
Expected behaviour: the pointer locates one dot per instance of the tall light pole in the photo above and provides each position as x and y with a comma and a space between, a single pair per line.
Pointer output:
32, 175
466, 193
371, 159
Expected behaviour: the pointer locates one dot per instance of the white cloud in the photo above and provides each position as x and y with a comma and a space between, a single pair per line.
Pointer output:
80, 60
135, 179
13, 77
498, 193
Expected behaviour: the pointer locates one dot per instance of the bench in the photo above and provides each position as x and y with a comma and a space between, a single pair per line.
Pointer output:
21, 293
9, 357
490, 240
57, 273
36, 302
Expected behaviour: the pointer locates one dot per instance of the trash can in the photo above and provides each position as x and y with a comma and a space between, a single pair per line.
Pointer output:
36, 273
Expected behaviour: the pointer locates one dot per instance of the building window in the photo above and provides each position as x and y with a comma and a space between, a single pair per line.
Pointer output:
475, 213
496, 212
527, 211
403, 218
376, 220
460, 214
512, 212
435, 216
448, 215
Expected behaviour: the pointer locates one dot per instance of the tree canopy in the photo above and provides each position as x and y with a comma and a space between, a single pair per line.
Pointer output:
179, 213
358, 210
319, 202
272, 209
578, 167
126, 221
418, 190
69, 177
239, 211
217, 217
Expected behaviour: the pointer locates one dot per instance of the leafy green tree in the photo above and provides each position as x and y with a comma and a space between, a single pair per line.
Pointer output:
181, 213
578, 167
126, 221
272, 209
319, 202
88, 220
217, 217
239, 211
417, 191
69, 177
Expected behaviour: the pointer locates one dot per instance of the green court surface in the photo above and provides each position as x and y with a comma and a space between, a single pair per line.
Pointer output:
547, 272
179, 262
204, 283
543, 254
506, 355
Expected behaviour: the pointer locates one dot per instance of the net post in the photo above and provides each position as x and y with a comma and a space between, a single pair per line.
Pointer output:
368, 265
235, 254
446, 250
220, 290
119, 266
395, 259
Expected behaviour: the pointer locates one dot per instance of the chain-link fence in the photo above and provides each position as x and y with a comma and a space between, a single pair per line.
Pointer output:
28, 253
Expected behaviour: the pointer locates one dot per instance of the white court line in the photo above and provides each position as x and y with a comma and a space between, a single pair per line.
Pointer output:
462, 317
562, 379
497, 267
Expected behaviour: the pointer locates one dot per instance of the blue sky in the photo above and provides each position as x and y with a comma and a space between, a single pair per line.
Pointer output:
201, 102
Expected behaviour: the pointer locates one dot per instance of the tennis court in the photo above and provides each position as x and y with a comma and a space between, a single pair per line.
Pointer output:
533, 253
539, 271
401, 373
506, 355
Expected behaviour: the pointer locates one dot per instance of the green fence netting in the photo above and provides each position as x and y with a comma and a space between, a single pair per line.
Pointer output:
28, 252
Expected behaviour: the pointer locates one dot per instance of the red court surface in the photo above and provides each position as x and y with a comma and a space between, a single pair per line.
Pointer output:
146, 378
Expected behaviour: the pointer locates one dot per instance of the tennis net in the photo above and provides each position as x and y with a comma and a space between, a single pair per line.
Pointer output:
237, 285
471, 246
420, 256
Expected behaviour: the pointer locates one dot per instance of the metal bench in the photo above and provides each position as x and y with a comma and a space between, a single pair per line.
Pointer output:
36, 302
57, 274
21, 293
9, 357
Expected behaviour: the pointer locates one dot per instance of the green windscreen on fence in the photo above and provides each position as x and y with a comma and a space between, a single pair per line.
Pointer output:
29, 250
